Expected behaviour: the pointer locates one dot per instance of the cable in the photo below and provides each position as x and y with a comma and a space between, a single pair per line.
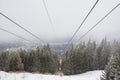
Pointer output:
21, 27
49, 17
81, 24
98, 22
14, 34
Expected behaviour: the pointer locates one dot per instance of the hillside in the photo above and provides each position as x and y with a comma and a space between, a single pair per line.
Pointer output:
91, 75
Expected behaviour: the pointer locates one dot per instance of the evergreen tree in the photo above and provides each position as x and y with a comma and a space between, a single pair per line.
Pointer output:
16, 63
48, 62
90, 55
112, 70
103, 53
4, 61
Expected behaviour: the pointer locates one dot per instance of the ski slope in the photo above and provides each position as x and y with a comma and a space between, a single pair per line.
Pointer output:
91, 75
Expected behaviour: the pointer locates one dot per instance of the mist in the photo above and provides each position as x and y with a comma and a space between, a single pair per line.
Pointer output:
66, 16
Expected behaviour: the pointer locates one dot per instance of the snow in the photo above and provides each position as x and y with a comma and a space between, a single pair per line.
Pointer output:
91, 75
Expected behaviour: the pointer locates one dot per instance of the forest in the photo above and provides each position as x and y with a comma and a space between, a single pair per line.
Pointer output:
86, 56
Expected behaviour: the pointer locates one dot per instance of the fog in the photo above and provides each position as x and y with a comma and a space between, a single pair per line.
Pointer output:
66, 16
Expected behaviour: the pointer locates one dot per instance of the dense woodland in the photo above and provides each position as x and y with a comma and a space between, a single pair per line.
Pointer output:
80, 58
39, 60
112, 69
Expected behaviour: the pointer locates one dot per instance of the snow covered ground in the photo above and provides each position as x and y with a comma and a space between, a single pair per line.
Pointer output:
91, 75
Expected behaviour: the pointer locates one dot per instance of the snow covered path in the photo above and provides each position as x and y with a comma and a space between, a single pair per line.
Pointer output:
91, 75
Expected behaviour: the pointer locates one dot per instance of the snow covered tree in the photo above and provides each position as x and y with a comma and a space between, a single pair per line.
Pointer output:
16, 63
90, 55
74, 62
48, 62
103, 53
112, 70
4, 61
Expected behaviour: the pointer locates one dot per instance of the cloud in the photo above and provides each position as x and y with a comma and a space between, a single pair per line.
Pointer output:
65, 14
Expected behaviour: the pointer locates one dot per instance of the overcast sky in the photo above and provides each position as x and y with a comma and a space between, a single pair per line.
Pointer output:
66, 16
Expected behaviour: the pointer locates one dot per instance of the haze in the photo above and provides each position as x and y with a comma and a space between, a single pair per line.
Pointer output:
66, 16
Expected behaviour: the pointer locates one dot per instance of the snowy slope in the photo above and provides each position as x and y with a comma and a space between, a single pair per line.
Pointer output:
91, 75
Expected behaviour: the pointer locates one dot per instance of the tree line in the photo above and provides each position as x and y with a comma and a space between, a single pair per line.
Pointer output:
112, 69
86, 56
39, 60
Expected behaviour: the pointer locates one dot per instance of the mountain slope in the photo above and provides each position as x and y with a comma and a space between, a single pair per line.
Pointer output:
91, 75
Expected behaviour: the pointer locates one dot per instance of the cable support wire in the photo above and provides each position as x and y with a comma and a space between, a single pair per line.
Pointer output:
49, 18
14, 34
21, 27
80, 25
98, 22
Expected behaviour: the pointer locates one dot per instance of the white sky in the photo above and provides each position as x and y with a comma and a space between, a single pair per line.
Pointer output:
66, 16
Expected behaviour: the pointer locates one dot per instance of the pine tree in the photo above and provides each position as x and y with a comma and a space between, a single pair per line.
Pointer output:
16, 63
112, 70
90, 54
103, 53
48, 62
74, 62
4, 61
